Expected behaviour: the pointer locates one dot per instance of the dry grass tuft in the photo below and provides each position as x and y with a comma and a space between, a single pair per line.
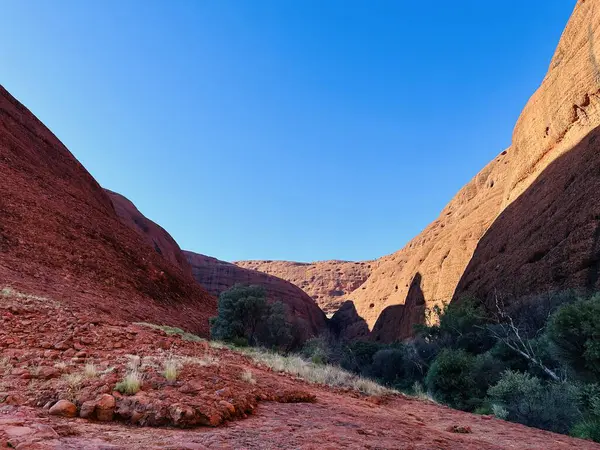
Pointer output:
5, 365
90, 370
10, 292
171, 368
248, 377
131, 383
316, 373
172, 331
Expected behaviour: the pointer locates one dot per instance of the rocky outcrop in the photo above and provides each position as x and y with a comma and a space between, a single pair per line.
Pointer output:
329, 283
217, 276
60, 235
347, 324
154, 234
547, 236
527, 222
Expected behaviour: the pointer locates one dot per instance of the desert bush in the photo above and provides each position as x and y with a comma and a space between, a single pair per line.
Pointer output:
574, 331
459, 325
527, 400
244, 317
449, 378
388, 365
358, 356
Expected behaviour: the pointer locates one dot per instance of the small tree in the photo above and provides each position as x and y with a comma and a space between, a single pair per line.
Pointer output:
244, 315
574, 330
240, 311
450, 380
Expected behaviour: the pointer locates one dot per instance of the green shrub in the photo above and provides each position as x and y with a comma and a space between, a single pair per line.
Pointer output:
588, 429
358, 356
320, 350
574, 330
461, 325
388, 365
245, 318
449, 378
553, 407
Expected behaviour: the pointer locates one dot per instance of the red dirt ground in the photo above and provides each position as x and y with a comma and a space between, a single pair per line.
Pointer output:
43, 343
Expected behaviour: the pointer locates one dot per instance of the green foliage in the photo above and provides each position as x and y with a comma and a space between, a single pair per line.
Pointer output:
527, 400
323, 349
449, 378
574, 330
276, 332
245, 318
358, 356
388, 365
588, 429
461, 325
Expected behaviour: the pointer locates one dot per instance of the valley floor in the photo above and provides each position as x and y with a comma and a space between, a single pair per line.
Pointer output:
49, 352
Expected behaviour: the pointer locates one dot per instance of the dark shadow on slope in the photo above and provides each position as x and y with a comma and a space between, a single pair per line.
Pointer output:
396, 322
549, 237
347, 324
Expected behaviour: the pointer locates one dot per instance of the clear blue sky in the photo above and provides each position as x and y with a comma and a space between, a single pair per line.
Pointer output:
279, 129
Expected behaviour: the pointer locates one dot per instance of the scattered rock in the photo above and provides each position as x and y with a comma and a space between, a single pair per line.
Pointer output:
461, 429
63, 408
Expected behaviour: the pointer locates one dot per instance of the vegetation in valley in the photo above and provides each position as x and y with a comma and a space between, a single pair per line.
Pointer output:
534, 361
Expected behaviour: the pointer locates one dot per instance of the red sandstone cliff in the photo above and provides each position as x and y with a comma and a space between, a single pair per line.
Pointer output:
60, 235
528, 222
327, 282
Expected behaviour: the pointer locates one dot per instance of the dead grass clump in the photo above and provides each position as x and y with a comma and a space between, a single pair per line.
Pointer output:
316, 373
172, 331
131, 382
248, 377
171, 368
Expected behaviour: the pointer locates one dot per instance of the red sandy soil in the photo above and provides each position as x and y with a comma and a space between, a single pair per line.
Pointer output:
209, 405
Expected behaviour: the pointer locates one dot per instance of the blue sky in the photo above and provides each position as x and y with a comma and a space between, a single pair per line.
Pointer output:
275, 129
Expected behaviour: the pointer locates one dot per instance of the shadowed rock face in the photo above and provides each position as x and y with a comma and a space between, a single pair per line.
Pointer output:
549, 237
329, 283
217, 276
347, 324
60, 235
155, 235
526, 242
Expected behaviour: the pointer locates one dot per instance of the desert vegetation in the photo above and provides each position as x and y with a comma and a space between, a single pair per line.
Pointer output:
536, 362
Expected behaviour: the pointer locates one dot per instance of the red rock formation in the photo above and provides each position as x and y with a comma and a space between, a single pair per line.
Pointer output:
327, 282
217, 276
154, 234
547, 236
536, 201
59, 234
347, 324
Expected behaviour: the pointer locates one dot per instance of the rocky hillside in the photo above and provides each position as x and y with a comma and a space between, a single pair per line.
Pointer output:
62, 366
528, 222
154, 234
328, 282
60, 235
217, 276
